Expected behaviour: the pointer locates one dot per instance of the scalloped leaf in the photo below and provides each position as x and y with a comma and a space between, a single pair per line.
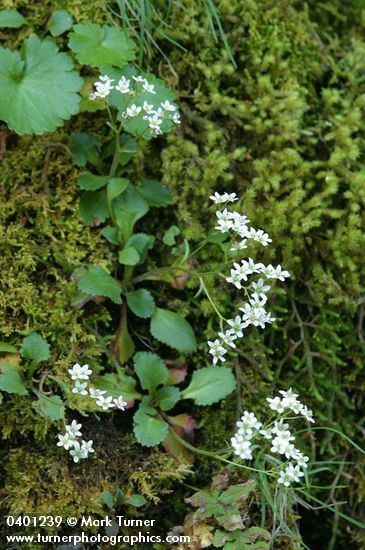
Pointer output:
11, 18
171, 329
167, 397
38, 87
209, 385
148, 429
99, 45
150, 369
97, 282
141, 302
60, 22
50, 407
35, 348
10, 379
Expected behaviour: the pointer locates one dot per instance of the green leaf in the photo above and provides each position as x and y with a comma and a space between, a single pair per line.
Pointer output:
90, 182
141, 302
142, 243
118, 384
5, 347
60, 22
209, 385
128, 256
237, 493
98, 45
108, 499
50, 407
170, 234
137, 501
85, 148
171, 329
35, 348
150, 369
167, 397
128, 208
124, 345
111, 234
115, 187
97, 282
149, 431
154, 193
38, 87
11, 19
93, 207
11, 381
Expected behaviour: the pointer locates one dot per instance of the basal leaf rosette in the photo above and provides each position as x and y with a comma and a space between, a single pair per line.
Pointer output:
39, 88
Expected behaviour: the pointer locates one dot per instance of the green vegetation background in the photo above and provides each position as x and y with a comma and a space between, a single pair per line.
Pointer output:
285, 130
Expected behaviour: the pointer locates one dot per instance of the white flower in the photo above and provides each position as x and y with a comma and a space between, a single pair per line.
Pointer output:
76, 452
294, 472
269, 271
275, 404
224, 226
80, 373
225, 197
139, 79
120, 403
217, 198
66, 441
285, 478
133, 110
255, 315
260, 288
248, 423
217, 350
103, 88
168, 106
148, 108
154, 123
73, 429
176, 118
123, 85
241, 447
280, 274
307, 413
95, 393
228, 338
80, 388
240, 246
267, 433
279, 426
235, 278
149, 87
105, 402
237, 326
260, 236
301, 460
86, 448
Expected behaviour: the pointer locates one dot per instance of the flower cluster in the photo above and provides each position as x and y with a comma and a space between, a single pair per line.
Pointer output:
250, 432
80, 376
253, 312
134, 87
69, 442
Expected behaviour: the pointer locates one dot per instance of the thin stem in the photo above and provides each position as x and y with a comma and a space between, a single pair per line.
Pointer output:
211, 454
210, 299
